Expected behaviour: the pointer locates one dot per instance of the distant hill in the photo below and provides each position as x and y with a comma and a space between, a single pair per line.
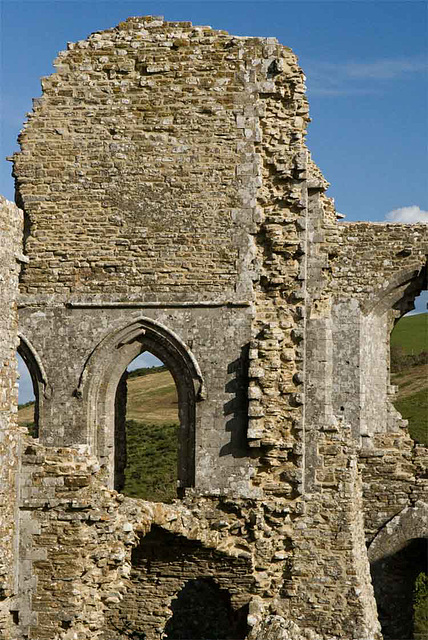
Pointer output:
152, 398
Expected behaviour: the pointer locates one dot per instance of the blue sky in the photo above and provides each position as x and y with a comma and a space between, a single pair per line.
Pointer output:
366, 68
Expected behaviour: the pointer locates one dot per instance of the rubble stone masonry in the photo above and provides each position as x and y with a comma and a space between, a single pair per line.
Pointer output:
171, 205
10, 256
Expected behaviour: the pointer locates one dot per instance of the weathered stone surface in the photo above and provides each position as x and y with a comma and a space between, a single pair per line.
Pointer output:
171, 205
10, 434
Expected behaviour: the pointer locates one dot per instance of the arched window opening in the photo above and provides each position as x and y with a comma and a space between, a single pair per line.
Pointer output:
147, 431
409, 368
103, 387
32, 387
203, 611
401, 591
27, 410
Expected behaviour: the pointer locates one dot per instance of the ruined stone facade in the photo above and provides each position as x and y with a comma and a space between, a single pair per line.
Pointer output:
170, 205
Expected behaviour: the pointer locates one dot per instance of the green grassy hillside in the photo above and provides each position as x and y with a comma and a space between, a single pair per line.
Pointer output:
409, 372
411, 333
151, 470
151, 435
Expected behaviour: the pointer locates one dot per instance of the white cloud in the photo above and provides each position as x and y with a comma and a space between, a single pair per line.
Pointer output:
359, 78
386, 68
407, 214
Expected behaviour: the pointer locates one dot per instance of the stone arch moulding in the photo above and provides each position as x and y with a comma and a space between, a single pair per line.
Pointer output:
411, 523
101, 376
399, 293
380, 313
41, 387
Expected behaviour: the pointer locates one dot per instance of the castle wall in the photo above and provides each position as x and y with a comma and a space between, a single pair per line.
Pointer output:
170, 203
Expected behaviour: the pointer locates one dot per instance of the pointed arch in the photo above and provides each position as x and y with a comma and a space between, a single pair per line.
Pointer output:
38, 376
101, 376
399, 292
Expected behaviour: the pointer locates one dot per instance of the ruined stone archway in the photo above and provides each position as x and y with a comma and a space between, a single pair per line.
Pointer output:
397, 555
399, 292
101, 377
410, 523
380, 313
178, 587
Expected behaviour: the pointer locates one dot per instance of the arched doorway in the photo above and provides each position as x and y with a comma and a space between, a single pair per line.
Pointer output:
100, 386
179, 589
203, 611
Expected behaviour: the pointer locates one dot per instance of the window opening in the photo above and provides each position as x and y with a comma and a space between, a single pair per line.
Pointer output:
409, 368
147, 431
27, 398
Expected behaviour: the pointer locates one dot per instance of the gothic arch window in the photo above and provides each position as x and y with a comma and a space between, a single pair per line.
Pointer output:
103, 376
381, 312
36, 372
409, 366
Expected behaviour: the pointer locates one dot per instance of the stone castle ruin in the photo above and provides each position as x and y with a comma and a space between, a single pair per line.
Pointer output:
168, 203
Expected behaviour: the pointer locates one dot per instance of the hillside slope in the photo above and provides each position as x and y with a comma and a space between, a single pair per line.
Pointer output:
411, 333
410, 338
152, 398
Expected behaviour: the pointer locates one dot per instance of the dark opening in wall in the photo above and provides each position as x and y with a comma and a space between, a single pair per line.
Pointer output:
147, 431
409, 368
394, 580
203, 611
179, 589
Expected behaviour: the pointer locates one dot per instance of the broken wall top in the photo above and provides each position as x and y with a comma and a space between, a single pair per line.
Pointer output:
144, 163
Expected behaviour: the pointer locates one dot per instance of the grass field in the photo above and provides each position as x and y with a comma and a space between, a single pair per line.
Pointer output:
151, 470
411, 333
26, 414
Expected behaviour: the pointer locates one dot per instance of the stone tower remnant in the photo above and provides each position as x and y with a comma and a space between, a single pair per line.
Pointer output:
170, 204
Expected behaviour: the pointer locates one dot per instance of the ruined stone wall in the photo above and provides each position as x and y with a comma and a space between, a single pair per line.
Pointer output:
145, 138
171, 204
376, 262
10, 255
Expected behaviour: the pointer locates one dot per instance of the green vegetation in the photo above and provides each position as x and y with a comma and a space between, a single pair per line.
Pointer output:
414, 408
420, 607
26, 417
151, 470
145, 371
151, 435
409, 371
411, 333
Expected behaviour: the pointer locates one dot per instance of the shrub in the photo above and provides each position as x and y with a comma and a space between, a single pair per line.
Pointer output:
420, 600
